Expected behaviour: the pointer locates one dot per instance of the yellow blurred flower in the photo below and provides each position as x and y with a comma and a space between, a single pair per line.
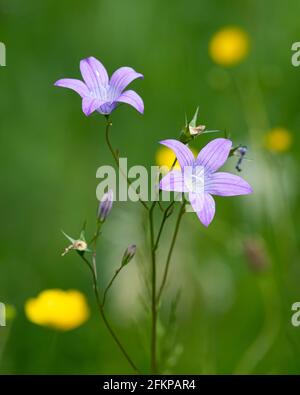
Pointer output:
229, 46
55, 308
278, 140
165, 157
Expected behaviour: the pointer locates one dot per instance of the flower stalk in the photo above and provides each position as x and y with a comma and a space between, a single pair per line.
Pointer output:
165, 275
103, 316
153, 293
128, 255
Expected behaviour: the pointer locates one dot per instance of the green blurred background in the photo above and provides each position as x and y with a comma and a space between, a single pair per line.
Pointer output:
239, 277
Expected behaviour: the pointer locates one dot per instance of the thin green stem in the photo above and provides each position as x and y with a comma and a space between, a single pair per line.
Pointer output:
116, 158
94, 241
97, 234
166, 270
154, 246
103, 316
173, 164
166, 212
166, 215
110, 284
153, 293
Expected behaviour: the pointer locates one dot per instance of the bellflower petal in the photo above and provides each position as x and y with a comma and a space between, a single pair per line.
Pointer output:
121, 78
107, 108
226, 184
198, 177
98, 92
132, 98
90, 104
184, 155
214, 154
173, 181
94, 75
204, 206
197, 201
76, 85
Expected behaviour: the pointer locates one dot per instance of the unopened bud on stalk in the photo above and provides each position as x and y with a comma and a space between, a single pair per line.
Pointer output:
129, 254
105, 205
240, 151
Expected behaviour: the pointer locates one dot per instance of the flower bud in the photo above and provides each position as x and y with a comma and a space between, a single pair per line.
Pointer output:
240, 151
105, 205
129, 254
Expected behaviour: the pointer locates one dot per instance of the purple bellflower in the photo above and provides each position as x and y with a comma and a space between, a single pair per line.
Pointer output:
105, 205
98, 92
199, 179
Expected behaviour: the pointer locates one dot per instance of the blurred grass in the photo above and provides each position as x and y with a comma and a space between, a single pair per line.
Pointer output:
50, 152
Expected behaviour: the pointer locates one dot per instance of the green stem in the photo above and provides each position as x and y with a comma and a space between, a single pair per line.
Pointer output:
103, 316
116, 158
94, 241
110, 284
153, 246
153, 294
165, 275
164, 219
96, 235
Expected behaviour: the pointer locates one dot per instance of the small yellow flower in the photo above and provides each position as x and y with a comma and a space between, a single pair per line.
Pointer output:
229, 46
55, 308
165, 157
278, 140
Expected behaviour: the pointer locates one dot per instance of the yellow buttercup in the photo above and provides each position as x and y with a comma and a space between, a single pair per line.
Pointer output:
229, 46
166, 157
278, 140
55, 308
